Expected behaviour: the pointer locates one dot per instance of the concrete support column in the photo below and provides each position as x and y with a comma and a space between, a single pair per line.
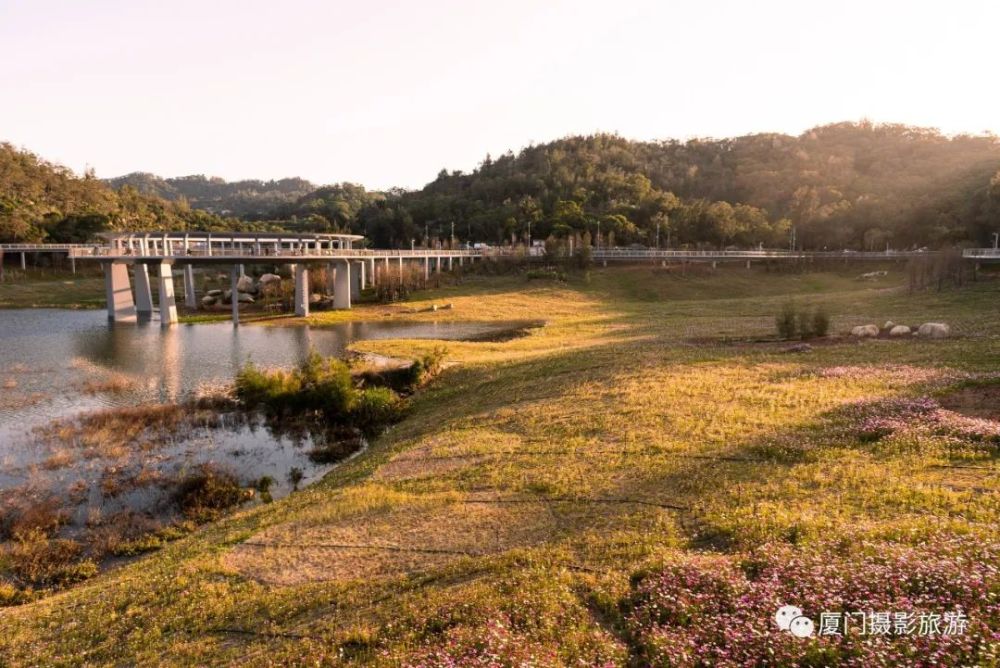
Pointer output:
121, 308
190, 297
234, 282
363, 276
331, 278
143, 292
168, 304
451, 263
301, 290
24, 262
748, 264
72, 262
427, 268
370, 271
461, 260
437, 265
342, 291
357, 279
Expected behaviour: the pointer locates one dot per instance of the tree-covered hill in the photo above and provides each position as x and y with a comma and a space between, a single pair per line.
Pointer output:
847, 185
42, 201
249, 199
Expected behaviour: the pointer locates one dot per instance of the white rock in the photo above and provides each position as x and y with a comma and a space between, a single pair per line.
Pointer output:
934, 330
208, 300
244, 298
244, 284
863, 331
214, 293
899, 330
889, 324
269, 278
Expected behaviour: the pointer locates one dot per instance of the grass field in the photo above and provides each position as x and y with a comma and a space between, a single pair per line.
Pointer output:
646, 429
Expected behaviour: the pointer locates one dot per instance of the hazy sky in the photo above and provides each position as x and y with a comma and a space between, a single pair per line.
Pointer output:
387, 93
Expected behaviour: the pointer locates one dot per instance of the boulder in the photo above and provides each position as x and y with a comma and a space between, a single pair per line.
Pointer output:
799, 348
227, 297
889, 324
315, 298
865, 331
934, 330
244, 298
267, 279
900, 330
245, 284
214, 293
208, 300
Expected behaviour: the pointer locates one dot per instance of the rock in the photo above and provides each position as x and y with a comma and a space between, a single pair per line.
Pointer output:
316, 298
208, 300
244, 298
872, 275
267, 279
899, 330
448, 306
434, 307
934, 330
245, 284
214, 293
227, 297
799, 348
889, 324
864, 331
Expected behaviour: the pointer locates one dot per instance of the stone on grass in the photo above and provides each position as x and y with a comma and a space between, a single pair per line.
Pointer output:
889, 324
208, 300
865, 331
267, 279
799, 348
214, 293
245, 284
244, 298
900, 330
934, 330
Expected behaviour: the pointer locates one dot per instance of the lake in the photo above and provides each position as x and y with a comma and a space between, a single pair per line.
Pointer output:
59, 364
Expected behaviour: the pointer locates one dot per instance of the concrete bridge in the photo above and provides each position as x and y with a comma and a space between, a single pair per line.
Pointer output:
352, 268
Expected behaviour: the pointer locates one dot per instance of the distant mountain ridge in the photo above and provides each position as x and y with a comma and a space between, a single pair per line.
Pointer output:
250, 198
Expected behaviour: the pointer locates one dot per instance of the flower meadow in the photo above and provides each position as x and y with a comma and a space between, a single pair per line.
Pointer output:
720, 612
878, 419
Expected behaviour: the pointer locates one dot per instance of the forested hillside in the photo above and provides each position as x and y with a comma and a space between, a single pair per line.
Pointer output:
243, 199
848, 185
42, 201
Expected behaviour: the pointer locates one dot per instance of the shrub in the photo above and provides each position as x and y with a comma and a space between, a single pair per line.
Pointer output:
794, 322
786, 321
317, 384
204, 493
375, 408
820, 322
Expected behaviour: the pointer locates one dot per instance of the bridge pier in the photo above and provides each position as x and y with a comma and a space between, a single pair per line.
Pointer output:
24, 262
331, 278
301, 290
451, 263
342, 291
234, 294
437, 265
370, 272
168, 303
427, 267
121, 308
190, 296
357, 279
143, 292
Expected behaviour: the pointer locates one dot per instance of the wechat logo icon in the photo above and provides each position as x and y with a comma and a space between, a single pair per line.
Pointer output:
790, 618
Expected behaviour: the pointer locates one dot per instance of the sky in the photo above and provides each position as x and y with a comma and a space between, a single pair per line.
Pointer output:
388, 93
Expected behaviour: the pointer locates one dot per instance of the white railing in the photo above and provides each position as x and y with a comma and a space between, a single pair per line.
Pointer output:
638, 253
982, 252
250, 253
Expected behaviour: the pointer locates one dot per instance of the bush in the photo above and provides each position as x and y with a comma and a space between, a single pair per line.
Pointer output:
203, 494
820, 322
376, 407
317, 384
795, 323
786, 321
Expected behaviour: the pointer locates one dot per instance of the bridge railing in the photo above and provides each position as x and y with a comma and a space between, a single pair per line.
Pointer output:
250, 253
636, 253
981, 252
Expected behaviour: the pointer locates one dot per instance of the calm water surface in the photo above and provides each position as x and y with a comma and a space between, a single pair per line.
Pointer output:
56, 363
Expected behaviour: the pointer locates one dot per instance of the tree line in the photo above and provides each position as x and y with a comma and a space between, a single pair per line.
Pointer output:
848, 185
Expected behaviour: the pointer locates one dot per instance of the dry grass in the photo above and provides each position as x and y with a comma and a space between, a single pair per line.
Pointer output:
535, 476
